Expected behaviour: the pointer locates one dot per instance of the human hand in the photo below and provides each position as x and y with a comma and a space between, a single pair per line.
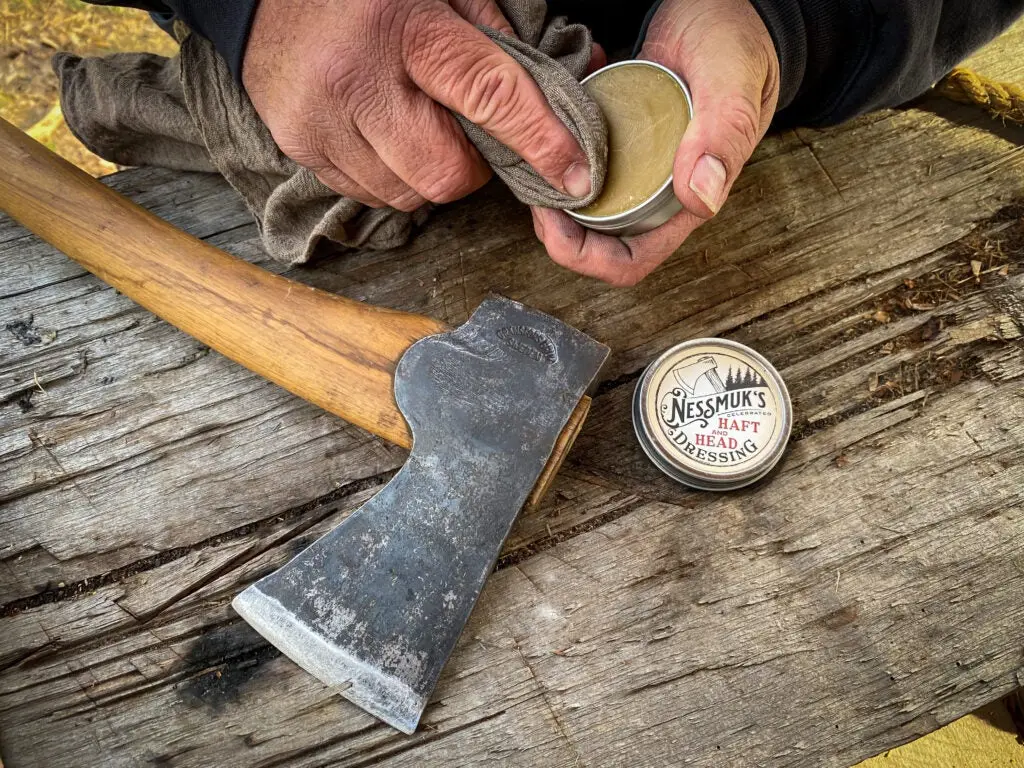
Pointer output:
724, 53
353, 90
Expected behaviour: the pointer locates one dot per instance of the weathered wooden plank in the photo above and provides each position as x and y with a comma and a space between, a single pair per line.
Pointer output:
840, 605
136, 418
63, 620
861, 600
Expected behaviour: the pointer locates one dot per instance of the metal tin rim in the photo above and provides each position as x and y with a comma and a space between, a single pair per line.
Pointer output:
629, 216
689, 475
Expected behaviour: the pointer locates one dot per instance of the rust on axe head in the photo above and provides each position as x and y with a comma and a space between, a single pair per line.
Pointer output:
375, 607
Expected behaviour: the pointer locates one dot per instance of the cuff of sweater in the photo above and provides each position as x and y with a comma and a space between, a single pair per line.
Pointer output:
225, 23
785, 22
643, 28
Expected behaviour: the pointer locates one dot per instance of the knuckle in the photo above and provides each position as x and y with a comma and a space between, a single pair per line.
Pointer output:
407, 202
492, 92
550, 150
448, 180
344, 86
503, 100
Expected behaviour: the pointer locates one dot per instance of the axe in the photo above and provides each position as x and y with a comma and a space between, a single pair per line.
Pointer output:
489, 409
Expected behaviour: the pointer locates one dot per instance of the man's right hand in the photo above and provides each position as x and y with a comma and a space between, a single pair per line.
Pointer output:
356, 91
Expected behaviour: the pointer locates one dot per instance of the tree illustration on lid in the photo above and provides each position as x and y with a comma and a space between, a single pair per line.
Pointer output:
748, 378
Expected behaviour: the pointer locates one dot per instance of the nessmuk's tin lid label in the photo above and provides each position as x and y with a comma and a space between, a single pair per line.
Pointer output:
713, 414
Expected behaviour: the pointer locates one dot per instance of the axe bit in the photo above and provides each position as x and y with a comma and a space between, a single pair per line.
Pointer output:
375, 607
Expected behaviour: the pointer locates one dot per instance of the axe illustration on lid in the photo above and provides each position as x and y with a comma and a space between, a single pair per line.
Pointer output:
689, 376
375, 607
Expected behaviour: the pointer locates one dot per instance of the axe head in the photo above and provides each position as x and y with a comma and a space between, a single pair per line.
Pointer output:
375, 607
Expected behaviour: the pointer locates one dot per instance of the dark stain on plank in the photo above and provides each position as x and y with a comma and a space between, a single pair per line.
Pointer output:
26, 332
230, 659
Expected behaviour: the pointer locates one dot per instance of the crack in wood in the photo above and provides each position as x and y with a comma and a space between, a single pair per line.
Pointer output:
133, 459
162, 558
542, 692
110, 638
519, 555
747, 663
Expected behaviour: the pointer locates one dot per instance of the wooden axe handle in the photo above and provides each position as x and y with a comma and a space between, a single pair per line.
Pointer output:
335, 352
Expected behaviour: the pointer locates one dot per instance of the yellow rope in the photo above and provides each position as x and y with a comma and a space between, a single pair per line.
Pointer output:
1001, 100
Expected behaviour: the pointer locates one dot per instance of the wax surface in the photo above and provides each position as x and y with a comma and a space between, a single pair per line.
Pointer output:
646, 114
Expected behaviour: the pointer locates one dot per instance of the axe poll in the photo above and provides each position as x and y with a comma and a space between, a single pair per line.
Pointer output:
489, 409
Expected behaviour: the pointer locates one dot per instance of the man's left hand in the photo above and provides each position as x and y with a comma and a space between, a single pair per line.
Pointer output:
723, 51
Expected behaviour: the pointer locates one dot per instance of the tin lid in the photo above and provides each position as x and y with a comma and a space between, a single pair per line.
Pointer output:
712, 414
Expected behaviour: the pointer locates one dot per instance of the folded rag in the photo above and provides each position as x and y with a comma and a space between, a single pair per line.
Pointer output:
189, 113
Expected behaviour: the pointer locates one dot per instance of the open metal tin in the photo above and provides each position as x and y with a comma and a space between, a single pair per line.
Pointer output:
630, 113
712, 414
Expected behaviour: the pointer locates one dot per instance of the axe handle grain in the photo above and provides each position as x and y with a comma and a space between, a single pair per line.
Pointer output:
337, 353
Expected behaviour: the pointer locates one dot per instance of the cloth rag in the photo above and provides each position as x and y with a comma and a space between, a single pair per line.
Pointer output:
188, 113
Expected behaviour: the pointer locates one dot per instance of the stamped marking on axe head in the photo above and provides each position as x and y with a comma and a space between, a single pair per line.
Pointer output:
375, 607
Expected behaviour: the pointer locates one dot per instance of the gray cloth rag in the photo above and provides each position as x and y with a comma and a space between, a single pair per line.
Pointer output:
188, 113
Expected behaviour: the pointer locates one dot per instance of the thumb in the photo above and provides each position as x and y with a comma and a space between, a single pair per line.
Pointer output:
729, 62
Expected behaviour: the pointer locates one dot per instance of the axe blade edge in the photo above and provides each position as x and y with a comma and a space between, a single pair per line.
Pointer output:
379, 694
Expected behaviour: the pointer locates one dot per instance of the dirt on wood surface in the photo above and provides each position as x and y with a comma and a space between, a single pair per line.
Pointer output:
978, 263
32, 31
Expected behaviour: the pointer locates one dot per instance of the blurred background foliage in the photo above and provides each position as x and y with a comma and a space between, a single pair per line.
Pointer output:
31, 31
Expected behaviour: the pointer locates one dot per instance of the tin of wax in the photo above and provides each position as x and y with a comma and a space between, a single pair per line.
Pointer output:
712, 414
647, 108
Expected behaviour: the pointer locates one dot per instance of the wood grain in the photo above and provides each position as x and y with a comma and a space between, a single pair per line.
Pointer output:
868, 592
334, 352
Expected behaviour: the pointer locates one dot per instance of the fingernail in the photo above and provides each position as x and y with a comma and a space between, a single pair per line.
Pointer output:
708, 181
576, 180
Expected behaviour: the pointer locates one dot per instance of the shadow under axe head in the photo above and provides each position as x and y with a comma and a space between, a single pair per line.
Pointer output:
375, 607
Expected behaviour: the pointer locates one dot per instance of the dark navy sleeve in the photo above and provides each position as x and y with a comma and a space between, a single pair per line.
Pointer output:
841, 58
225, 23
838, 58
